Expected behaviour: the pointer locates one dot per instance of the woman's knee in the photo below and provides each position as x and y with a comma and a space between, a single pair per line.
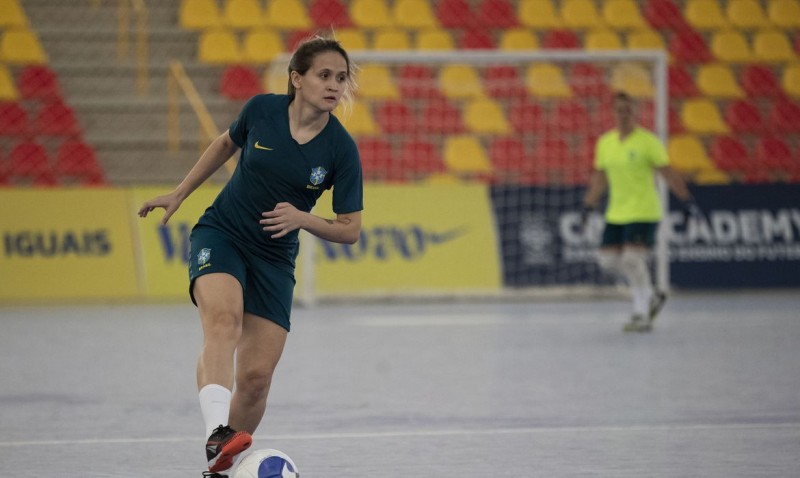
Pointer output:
254, 384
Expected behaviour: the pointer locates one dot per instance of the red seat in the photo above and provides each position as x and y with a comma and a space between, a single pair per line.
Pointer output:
475, 39
441, 117
329, 13
680, 82
77, 161
774, 154
688, 46
560, 166
759, 80
239, 83
511, 163
39, 82
561, 39
418, 82
664, 15
784, 117
526, 116
13, 120
28, 163
56, 119
455, 14
588, 80
377, 159
496, 14
395, 117
743, 117
730, 155
419, 159
503, 82
570, 115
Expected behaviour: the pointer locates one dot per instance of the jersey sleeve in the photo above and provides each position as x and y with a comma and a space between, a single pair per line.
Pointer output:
348, 184
599, 163
239, 127
658, 153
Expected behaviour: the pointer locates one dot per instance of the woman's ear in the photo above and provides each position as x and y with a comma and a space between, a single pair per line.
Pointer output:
295, 77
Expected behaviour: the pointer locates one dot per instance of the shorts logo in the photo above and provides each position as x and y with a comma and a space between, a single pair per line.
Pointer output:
317, 176
203, 257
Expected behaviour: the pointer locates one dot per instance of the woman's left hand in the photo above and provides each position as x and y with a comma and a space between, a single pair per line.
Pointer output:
284, 219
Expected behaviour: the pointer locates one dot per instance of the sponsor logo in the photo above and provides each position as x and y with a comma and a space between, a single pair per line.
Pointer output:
258, 146
387, 242
55, 244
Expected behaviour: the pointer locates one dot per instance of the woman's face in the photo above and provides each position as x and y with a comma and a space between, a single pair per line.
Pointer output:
625, 113
323, 85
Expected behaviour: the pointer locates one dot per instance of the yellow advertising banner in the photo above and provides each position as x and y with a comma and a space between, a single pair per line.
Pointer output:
66, 244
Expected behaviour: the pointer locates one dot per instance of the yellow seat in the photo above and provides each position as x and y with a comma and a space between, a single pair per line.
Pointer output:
547, 80
465, 155
712, 177
580, 14
391, 39
623, 15
262, 46
352, 39
731, 46
12, 15
21, 46
8, 91
219, 46
242, 14
772, 46
358, 121
784, 13
370, 13
485, 116
518, 39
539, 14
702, 116
705, 14
688, 155
632, 79
746, 14
460, 81
434, 39
602, 40
414, 14
718, 81
376, 82
198, 14
790, 80
645, 40
287, 15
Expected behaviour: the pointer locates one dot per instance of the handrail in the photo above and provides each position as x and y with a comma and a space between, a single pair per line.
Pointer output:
142, 44
179, 82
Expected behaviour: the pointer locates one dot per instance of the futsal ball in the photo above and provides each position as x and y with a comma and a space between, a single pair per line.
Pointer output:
266, 464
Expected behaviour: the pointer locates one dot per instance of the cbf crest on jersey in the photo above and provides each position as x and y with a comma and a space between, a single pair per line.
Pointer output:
317, 176
203, 256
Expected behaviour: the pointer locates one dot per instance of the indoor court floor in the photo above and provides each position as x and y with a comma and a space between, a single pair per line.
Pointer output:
445, 390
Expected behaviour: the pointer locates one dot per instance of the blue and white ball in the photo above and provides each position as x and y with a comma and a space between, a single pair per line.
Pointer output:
266, 463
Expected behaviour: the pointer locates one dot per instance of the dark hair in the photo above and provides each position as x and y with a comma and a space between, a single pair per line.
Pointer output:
304, 55
621, 95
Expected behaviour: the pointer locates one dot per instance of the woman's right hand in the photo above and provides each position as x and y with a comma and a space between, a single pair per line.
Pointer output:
170, 202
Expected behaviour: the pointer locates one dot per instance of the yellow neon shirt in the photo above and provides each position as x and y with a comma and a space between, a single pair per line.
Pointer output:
629, 167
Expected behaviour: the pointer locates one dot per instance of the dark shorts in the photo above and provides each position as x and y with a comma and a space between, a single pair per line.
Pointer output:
267, 289
633, 233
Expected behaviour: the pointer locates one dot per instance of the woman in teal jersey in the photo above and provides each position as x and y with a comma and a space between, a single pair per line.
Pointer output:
625, 161
243, 248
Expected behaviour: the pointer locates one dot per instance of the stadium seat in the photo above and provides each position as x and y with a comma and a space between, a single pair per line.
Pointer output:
13, 15
294, 38
511, 163
242, 14
441, 117
731, 46
56, 119
773, 46
460, 81
602, 39
569, 116
352, 39
375, 81
413, 14
546, 80
664, 15
21, 46
503, 81
688, 155
688, 46
743, 116
760, 81
199, 14
784, 117
359, 121
476, 39
485, 116
387, 39
539, 14
38, 82
465, 156
559, 165
645, 40
8, 92
680, 82
633, 79
29, 164
623, 15
13, 120
76, 162
377, 160
287, 15
418, 82
239, 83
455, 14
730, 155
746, 14
518, 39
329, 13
705, 15
718, 81
395, 117
701, 116
370, 14
580, 14
527, 116
711, 177
496, 14
420, 159
219, 46
790, 80
774, 154
261, 46
784, 13
558, 38
587, 79
434, 39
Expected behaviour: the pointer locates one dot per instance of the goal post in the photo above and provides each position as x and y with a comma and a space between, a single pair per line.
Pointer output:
532, 116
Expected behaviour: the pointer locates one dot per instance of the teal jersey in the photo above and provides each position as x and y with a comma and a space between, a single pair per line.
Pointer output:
274, 168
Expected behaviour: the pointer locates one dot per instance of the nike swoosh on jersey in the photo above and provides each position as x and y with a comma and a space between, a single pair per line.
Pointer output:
258, 146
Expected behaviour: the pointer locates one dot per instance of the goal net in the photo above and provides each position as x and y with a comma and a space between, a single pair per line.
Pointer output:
523, 124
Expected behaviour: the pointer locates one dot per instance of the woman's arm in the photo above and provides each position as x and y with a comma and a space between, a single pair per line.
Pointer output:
345, 229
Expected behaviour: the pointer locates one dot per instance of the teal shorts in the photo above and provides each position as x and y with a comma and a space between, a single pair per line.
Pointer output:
634, 233
267, 289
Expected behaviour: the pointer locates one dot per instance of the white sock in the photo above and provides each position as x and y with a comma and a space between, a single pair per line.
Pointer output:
215, 404
641, 300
